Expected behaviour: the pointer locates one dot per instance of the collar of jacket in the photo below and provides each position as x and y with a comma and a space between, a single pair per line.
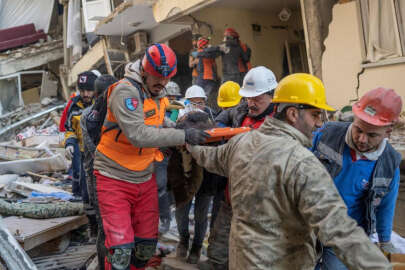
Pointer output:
272, 126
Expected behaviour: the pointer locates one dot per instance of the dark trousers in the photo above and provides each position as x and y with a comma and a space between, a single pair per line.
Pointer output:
161, 180
209, 86
218, 242
201, 207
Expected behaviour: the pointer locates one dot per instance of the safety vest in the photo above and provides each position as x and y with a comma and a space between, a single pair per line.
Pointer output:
207, 68
244, 67
117, 147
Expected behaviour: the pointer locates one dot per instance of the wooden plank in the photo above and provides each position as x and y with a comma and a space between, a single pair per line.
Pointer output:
107, 58
72, 258
87, 62
31, 233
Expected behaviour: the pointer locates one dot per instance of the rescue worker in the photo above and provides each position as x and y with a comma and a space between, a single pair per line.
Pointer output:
196, 101
173, 93
258, 88
89, 115
193, 61
73, 136
228, 97
364, 166
196, 98
282, 197
206, 67
123, 164
235, 56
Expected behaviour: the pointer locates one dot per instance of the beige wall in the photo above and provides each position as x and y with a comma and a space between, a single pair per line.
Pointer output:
163, 9
267, 47
342, 61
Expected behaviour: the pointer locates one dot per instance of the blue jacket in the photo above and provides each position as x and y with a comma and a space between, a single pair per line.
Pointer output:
369, 188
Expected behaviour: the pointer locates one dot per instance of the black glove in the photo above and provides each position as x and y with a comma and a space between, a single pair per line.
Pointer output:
195, 136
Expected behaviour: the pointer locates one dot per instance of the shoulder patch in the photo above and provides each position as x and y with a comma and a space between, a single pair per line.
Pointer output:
131, 104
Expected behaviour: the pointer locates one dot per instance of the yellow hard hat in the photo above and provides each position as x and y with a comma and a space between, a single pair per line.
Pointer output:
302, 88
228, 95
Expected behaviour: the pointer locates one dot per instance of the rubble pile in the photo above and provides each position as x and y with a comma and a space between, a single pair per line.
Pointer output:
36, 201
32, 116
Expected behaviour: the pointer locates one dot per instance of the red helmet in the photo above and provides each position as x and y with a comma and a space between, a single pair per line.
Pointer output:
378, 107
202, 42
231, 32
160, 61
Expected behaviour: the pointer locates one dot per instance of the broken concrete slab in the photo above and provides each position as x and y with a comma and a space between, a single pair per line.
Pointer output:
53, 163
25, 189
31, 57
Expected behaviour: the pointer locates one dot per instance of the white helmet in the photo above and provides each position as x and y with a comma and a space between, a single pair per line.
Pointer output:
258, 80
195, 91
173, 89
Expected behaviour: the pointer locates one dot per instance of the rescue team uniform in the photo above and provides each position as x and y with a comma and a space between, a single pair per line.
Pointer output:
235, 62
206, 72
123, 164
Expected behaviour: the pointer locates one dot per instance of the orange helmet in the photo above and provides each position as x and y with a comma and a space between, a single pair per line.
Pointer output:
202, 42
379, 107
160, 61
231, 32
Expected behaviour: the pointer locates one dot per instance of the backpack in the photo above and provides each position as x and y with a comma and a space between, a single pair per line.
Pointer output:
95, 119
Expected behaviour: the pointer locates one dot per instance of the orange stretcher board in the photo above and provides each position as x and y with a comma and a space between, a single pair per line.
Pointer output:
224, 134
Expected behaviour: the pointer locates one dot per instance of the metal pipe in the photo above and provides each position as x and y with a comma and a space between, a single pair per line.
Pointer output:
4, 130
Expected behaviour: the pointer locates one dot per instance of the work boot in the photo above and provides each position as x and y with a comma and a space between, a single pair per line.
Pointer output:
194, 256
164, 226
182, 248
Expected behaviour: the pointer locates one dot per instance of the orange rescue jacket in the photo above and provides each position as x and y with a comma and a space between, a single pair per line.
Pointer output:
117, 147
244, 67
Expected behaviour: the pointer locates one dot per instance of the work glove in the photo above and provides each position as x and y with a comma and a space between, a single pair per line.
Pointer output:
195, 136
388, 247
69, 150
223, 48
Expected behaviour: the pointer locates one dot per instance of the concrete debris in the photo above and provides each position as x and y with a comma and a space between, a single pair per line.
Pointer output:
31, 115
12, 253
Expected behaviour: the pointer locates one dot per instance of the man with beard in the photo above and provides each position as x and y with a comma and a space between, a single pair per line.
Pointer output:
73, 136
281, 195
132, 134
235, 56
364, 166
258, 89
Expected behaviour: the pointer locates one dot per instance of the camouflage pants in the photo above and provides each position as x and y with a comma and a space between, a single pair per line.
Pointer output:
218, 242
